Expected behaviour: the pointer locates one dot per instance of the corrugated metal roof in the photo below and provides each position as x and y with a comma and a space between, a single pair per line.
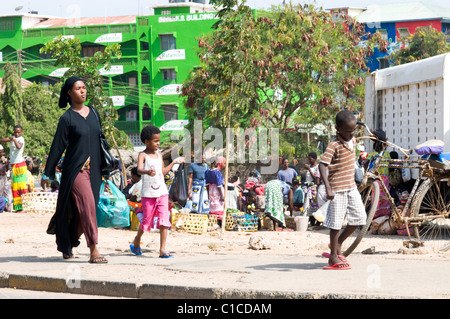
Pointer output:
23, 82
404, 11
70, 22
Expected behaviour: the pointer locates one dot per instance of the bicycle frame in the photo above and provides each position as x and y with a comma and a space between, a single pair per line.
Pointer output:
398, 216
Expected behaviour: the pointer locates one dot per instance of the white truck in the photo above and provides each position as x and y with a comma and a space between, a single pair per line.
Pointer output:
411, 102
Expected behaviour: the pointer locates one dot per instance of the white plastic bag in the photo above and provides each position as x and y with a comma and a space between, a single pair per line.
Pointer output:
321, 213
406, 174
359, 173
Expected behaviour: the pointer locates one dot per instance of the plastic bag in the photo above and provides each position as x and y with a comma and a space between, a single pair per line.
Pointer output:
178, 191
406, 174
3, 202
321, 213
359, 173
112, 209
188, 205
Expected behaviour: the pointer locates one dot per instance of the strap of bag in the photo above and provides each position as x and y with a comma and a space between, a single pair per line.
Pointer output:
98, 120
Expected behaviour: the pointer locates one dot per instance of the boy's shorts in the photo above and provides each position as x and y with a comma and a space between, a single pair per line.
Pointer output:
346, 203
155, 207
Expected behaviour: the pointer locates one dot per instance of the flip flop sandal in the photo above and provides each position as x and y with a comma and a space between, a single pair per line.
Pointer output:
338, 266
136, 251
98, 260
341, 257
166, 255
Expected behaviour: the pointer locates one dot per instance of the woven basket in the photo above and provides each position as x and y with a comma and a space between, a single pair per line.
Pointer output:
39, 202
245, 223
229, 220
196, 223
178, 219
212, 222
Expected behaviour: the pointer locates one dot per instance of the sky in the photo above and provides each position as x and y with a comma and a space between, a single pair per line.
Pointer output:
101, 8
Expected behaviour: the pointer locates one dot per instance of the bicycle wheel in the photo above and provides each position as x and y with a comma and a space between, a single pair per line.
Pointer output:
431, 211
370, 195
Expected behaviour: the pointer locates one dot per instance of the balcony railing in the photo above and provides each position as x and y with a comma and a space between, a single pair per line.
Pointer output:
128, 126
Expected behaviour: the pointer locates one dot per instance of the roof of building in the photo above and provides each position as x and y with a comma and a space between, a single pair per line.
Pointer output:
404, 11
72, 22
23, 83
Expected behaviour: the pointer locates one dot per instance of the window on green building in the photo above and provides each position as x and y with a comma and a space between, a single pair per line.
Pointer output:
168, 42
89, 50
132, 80
146, 114
131, 115
170, 112
169, 74
145, 78
7, 25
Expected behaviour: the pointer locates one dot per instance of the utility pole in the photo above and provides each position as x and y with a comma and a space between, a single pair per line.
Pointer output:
19, 113
19, 58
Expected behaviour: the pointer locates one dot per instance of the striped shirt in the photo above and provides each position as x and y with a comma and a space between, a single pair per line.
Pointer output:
341, 164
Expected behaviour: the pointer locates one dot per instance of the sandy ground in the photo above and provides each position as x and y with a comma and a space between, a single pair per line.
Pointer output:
27, 230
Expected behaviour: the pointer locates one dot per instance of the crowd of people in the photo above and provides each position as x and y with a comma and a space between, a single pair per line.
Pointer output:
16, 178
77, 179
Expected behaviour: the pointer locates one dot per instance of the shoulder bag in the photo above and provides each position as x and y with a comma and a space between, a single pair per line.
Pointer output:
108, 162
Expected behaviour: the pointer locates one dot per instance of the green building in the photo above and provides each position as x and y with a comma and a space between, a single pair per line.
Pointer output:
158, 52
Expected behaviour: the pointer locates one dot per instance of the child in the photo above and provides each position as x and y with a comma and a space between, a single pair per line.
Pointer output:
5, 184
337, 171
154, 193
298, 197
18, 167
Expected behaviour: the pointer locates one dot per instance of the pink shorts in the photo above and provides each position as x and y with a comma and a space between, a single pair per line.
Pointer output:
155, 207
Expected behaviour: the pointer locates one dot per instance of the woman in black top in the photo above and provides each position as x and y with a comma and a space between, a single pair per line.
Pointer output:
78, 135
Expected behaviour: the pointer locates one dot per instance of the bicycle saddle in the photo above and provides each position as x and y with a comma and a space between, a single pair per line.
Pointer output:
435, 147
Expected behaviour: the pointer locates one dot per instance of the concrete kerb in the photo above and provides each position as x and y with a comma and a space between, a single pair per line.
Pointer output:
157, 291
87, 287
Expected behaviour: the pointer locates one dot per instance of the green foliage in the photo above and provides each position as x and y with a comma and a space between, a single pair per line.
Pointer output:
424, 43
263, 70
40, 107
11, 99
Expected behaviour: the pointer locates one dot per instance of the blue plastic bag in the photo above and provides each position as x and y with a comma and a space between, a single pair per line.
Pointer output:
112, 209
3, 202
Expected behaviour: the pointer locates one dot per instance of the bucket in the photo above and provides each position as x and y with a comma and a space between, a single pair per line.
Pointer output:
301, 223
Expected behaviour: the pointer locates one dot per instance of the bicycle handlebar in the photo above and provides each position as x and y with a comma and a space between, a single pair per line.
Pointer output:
374, 137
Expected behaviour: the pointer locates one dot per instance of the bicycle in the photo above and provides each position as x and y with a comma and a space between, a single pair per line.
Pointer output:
426, 212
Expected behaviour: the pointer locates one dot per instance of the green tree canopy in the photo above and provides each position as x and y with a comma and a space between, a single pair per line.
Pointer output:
424, 43
12, 113
40, 108
261, 68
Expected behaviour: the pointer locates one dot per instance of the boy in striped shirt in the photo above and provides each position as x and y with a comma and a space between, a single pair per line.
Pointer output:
337, 170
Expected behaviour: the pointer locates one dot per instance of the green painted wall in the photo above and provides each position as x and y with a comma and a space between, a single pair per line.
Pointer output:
146, 94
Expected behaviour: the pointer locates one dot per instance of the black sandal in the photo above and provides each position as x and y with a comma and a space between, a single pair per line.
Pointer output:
98, 260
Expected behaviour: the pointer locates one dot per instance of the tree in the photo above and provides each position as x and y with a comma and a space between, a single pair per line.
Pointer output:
40, 108
424, 43
12, 113
261, 69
